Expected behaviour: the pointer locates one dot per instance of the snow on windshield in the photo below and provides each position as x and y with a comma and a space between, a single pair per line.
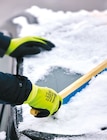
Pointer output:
81, 44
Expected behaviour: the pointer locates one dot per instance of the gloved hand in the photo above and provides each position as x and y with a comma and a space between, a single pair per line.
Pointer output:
29, 45
44, 101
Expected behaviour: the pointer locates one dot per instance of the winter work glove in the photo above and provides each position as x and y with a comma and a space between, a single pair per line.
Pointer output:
44, 101
29, 45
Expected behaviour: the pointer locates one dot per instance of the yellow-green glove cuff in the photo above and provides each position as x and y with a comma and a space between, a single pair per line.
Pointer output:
32, 95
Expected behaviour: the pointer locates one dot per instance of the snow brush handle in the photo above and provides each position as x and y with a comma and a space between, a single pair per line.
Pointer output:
78, 83
82, 80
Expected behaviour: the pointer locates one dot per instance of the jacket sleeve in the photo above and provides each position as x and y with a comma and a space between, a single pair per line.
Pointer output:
4, 43
14, 89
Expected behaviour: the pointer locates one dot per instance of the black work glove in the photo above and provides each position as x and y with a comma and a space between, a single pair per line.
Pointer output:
29, 45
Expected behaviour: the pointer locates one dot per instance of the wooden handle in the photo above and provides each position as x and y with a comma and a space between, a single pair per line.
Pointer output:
68, 90
34, 112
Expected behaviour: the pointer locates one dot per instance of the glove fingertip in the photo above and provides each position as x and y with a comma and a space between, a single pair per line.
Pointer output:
50, 44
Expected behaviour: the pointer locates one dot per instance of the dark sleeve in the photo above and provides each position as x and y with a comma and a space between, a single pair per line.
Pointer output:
4, 43
14, 89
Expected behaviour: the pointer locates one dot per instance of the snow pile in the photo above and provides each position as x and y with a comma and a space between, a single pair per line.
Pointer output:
2, 135
81, 44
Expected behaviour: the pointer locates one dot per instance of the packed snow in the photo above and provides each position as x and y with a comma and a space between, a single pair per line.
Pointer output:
81, 44
2, 135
